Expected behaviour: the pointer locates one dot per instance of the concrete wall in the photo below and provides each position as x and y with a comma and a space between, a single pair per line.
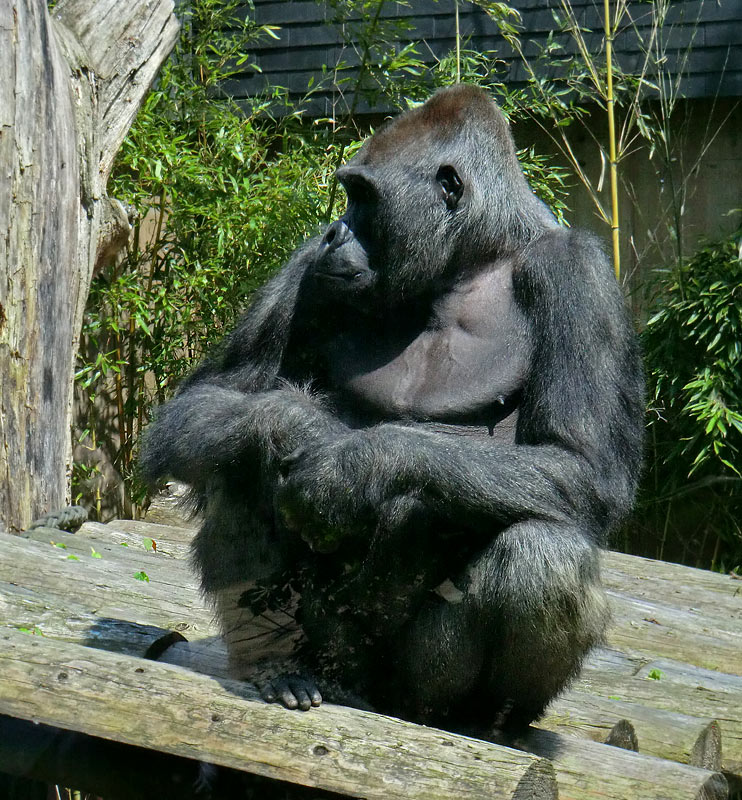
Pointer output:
696, 194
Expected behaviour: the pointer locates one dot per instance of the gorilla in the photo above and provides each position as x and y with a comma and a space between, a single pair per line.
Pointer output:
411, 448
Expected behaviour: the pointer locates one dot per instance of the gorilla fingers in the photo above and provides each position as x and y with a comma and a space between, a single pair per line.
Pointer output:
208, 428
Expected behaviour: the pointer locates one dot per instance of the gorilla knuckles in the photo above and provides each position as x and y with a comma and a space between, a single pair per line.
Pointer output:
478, 434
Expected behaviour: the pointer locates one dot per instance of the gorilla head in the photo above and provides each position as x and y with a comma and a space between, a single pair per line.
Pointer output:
434, 192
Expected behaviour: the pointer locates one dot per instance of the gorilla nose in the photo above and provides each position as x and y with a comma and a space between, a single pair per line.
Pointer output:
336, 235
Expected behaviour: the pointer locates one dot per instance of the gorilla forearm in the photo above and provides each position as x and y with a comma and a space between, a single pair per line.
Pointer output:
343, 488
209, 428
504, 483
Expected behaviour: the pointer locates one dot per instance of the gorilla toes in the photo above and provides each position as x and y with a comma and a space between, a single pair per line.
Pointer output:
292, 691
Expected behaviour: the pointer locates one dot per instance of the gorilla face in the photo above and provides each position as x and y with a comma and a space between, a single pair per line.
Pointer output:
343, 260
396, 234
431, 194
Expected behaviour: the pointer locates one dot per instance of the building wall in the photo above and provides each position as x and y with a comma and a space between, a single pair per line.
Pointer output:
310, 37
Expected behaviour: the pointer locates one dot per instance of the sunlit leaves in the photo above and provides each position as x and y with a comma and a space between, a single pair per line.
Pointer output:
694, 351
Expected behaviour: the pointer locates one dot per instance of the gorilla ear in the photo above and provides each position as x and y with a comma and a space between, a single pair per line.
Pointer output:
452, 185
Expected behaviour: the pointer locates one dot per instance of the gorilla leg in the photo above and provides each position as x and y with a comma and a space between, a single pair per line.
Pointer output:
244, 570
248, 562
530, 609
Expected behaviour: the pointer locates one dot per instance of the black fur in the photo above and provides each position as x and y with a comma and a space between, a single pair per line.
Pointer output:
471, 434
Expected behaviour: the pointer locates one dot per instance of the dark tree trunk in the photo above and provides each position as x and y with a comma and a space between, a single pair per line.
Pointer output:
71, 82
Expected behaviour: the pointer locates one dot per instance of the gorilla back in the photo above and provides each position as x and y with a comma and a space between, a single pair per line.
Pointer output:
417, 532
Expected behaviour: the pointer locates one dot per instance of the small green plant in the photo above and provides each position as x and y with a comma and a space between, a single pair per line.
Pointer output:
655, 675
35, 631
142, 576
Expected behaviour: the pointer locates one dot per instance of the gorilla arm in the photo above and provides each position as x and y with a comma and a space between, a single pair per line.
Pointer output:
236, 407
578, 442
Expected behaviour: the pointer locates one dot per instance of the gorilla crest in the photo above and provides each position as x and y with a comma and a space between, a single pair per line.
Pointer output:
411, 448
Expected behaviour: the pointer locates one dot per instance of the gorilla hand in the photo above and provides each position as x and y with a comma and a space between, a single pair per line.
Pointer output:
332, 491
209, 428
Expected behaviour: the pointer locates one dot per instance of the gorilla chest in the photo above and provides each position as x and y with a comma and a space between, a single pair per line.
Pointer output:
466, 362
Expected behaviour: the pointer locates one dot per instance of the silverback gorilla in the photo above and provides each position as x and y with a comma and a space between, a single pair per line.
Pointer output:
410, 449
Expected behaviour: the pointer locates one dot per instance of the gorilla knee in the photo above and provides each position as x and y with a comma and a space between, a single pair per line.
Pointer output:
542, 585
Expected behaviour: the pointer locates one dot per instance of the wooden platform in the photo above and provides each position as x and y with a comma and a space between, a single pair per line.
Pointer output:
78, 612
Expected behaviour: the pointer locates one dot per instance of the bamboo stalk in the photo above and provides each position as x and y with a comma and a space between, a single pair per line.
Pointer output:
458, 42
609, 34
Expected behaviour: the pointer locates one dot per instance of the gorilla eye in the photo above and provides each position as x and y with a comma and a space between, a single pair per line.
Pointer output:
452, 185
358, 186
360, 192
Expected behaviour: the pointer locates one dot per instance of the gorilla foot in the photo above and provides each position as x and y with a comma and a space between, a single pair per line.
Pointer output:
292, 691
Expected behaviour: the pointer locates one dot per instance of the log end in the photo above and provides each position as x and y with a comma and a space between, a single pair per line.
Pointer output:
706, 751
538, 782
623, 735
715, 787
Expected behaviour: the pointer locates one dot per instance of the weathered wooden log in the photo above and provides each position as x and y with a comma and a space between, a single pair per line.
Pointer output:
115, 611
99, 598
589, 770
722, 706
69, 89
671, 583
170, 540
169, 533
334, 748
665, 734
669, 671
115, 545
703, 637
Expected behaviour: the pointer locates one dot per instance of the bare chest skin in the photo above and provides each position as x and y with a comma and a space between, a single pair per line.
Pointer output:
463, 366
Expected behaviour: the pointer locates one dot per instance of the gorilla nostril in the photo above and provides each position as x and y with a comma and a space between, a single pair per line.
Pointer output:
335, 235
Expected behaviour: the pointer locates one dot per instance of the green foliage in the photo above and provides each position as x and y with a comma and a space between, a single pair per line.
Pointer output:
694, 354
693, 346
379, 67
